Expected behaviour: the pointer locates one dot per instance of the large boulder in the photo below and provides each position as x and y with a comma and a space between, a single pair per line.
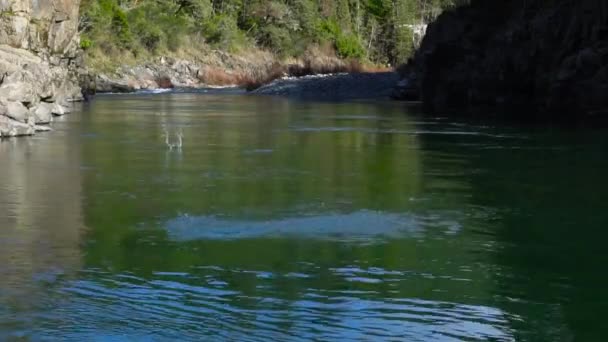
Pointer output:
527, 58
19, 92
12, 128
59, 110
106, 84
15, 110
42, 113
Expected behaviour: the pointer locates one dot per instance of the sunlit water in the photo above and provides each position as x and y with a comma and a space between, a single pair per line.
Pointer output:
297, 221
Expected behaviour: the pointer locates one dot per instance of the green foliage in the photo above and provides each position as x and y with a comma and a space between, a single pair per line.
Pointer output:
120, 24
222, 31
85, 43
377, 8
277, 38
376, 30
349, 46
7, 13
328, 29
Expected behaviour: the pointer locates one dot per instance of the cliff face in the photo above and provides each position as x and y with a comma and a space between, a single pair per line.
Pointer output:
528, 58
40, 25
39, 57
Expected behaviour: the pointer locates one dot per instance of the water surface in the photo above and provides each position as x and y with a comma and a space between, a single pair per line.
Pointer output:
299, 221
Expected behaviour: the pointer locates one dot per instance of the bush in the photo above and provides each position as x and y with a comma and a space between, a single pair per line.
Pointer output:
120, 25
222, 30
277, 39
144, 28
151, 39
85, 43
327, 30
349, 46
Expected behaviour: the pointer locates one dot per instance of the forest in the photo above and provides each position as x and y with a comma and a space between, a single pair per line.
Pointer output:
382, 32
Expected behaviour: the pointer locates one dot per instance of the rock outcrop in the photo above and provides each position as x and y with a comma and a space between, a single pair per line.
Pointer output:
39, 61
527, 58
216, 68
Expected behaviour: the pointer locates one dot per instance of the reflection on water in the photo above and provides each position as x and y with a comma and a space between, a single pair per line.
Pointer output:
41, 221
298, 221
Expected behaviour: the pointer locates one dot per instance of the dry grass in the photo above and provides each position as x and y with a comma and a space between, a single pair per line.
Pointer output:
164, 82
253, 75
217, 76
308, 67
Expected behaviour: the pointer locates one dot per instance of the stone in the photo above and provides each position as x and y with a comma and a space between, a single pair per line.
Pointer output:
12, 128
18, 92
17, 111
165, 82
42, 113
39, 128
40, 25
105, 84
59, 110
40, 60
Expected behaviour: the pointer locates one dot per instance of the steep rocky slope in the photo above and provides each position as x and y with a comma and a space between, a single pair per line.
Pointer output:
527, 58
39, 58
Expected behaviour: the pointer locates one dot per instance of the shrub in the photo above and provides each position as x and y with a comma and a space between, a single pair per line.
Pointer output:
221, 30
277, 39
85, 43
120, 24
151, 38
349, 46
327, 30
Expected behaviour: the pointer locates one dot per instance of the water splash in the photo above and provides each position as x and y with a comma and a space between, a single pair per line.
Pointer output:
362, 225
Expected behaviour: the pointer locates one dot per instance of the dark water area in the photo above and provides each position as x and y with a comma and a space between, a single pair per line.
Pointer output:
300, 221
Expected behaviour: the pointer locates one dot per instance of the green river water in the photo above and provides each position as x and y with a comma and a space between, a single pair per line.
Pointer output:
300, 221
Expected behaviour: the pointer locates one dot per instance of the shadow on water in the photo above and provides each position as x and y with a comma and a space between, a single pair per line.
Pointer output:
302, 221
549, 251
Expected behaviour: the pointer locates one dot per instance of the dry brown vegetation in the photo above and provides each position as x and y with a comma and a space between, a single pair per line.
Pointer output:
310, 64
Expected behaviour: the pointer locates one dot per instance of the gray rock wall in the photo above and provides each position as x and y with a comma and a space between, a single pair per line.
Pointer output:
40, 25
39, 63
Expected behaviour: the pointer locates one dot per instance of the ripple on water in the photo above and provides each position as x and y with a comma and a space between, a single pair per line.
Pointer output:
185, 306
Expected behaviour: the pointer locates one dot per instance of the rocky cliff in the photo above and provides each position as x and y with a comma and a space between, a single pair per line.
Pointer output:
39, 58
527, 58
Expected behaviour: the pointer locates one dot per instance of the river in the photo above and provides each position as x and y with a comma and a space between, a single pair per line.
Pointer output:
288, 220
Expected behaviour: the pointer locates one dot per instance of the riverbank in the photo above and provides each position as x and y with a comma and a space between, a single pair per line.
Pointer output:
320, 87
218, 68
39, 90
